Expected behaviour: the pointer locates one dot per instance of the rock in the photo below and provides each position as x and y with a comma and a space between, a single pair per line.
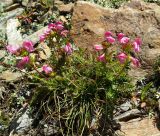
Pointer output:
137, 74
25, 2
12, 7
11, 14
49, 131
6, 3
65, 8
125, 106
13, 35
44, 52
10, 76
2, 54
22, 122
138, 127
134, 113
135, 19
35, 36
2, 90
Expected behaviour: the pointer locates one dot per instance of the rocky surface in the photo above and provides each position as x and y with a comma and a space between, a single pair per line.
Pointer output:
139, 127
14, 36
135, 19
22, 122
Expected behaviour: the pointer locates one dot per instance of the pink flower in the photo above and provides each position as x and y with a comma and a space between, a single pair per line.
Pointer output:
122, 57
120, 36
98, 47
47, 32
68, 49
42, 38
59, 25
136, 44
47, 69
51, 26
64, 33
135, 62
28, 46
107, 34
110, 39
13, 49
25, 60
124, 40
101, 58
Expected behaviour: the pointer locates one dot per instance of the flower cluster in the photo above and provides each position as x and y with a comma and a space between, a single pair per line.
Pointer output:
125, 46
57, 27
55, 30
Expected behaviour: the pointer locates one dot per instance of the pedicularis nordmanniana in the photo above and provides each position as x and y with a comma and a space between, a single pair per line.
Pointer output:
124, 48
81, 85
57, 38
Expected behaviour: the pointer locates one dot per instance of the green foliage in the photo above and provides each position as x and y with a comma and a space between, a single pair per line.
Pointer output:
82, 90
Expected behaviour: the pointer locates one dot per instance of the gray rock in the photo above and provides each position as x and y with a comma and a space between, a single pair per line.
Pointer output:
6, 3
22, 122
126, 106
134, 113
11, 14
35, 36
13, 35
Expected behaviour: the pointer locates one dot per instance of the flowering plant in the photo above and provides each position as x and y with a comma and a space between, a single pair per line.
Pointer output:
82, 88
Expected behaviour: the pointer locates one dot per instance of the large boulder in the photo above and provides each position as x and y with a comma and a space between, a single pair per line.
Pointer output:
135, 19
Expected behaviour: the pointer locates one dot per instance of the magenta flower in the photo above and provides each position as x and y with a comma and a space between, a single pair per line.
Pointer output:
25, 60
135, 62
110, 39
124, 40
120, 36
59, 25
101, 58
47, 69
136, 44
42, 38
122, 57
13, 49
107, 34
47, 32
64, 33
68, 49
52, 26
28, 46
98, 47
56, 26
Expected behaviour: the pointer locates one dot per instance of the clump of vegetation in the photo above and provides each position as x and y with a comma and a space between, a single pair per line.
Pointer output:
78, 88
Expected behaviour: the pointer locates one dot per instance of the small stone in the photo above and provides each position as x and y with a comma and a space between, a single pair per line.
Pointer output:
49, 130
10, 76
22, 122
13, 35
25, 2
143, 104
126, 106
65, 8
134, 113
35, 36
2, 54
44, 52
2, 90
